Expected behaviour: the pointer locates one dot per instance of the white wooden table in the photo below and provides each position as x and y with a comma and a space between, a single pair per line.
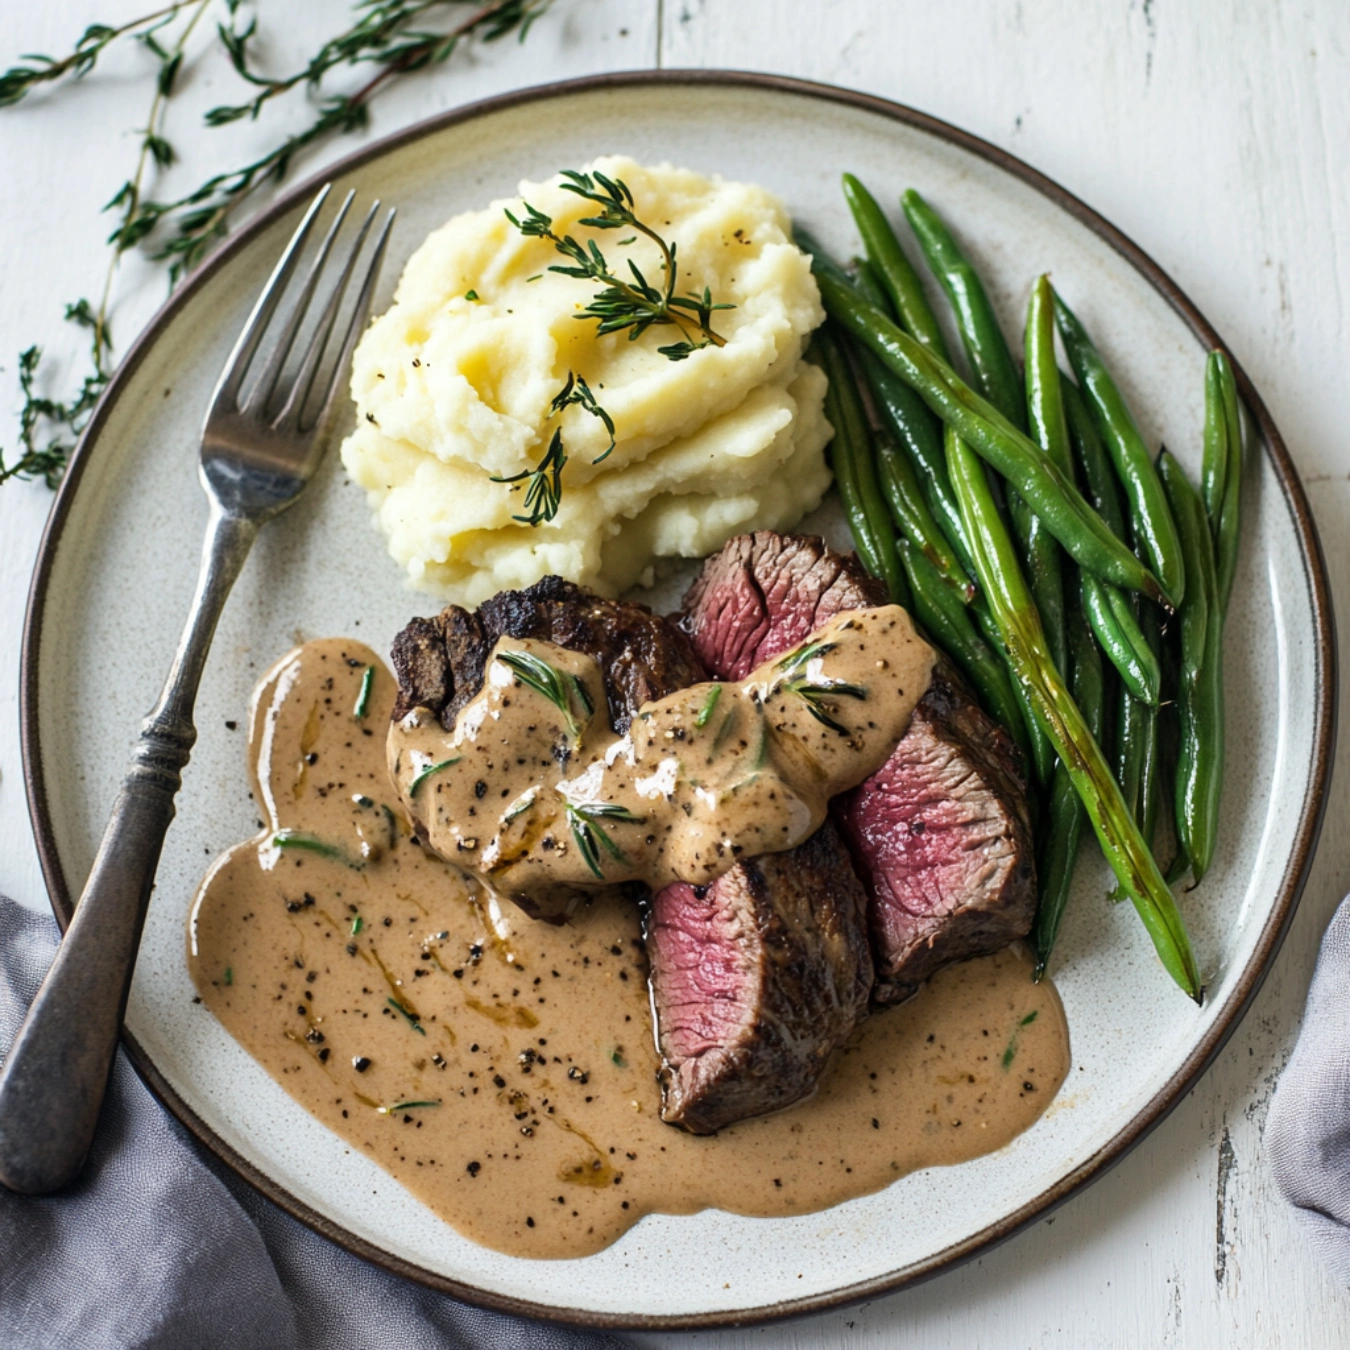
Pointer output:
1218, 137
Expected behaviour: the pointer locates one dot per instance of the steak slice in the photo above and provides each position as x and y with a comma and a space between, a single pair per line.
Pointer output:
941, 833
642, 656
766, 592
755, 980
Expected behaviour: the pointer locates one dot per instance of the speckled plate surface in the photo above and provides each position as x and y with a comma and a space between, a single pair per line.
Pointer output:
115, 577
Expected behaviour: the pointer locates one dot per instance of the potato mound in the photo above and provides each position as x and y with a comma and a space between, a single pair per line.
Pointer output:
453, 387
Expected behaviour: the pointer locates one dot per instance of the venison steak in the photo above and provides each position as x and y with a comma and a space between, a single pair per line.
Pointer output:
941, 833
755, 980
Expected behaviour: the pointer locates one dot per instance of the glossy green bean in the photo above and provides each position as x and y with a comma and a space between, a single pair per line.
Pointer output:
869, 516
909, 510
1000, 579
1150, 513
986, 348
1047, 420
1200, 754
1066, 815
1224, 523
1054, 497
894, 268
939, 610
997, 378
1112, 619
1098, 475
1151, 765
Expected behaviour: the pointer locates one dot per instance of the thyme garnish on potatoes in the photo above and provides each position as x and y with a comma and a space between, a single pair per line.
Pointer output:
633, 306
544, 494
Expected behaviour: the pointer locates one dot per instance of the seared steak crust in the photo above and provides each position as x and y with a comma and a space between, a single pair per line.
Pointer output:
941, 833
643, 656
755, 981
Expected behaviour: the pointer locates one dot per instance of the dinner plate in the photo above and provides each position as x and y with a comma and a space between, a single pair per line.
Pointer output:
119, 560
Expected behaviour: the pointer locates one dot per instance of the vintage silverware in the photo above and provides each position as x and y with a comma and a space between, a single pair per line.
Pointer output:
261, 444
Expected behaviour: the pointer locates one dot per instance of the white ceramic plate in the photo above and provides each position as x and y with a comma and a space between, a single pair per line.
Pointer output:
116, 574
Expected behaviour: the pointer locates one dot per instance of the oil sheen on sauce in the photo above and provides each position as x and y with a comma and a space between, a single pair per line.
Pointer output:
502, 1068
534, 792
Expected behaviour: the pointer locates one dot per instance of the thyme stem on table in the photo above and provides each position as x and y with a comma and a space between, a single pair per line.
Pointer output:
384, 34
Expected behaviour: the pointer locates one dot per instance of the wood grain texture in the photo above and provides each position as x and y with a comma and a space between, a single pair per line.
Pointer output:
1216, 136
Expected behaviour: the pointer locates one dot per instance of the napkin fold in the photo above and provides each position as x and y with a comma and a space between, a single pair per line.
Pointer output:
156, 1245
1308, 1129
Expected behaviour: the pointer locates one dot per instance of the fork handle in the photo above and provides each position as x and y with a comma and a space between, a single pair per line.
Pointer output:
53, 1080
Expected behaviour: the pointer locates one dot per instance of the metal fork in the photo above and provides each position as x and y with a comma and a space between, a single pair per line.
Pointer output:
260, 447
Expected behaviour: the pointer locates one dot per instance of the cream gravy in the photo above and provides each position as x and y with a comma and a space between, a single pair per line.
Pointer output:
503, 1069
534, 792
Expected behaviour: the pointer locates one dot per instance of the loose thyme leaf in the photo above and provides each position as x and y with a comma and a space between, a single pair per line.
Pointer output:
402, 1106
411, 1018
363, 697
431, 769
709, 705
311, 843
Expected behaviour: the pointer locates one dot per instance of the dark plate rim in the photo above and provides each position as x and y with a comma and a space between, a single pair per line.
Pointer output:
1272, 935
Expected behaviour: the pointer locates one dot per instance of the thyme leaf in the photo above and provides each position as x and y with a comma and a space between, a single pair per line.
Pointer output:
402, 1106
386, 35
363, 696
411, 1017
709, 706
818, 694
590, 836
537, 674
629, 304
544, 494
428, 770
311, 843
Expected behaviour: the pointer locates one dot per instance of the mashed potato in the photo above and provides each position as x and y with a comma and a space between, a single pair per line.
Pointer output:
453, 386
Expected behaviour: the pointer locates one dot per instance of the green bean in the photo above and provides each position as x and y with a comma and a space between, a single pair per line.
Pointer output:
1151, 766
1223, 506
1113, 620
1110, 614
986, 349
1148, 502
1214, 470
997, 379
920, 434
1041, 753
1200, 688
1093, 460
856, 474
1039, 479
940, 611
1066, 815
900, 486
895, 270
1001, 581
1047, 420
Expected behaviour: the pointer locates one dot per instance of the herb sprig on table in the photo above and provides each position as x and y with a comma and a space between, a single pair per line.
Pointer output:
631, 306
384, 35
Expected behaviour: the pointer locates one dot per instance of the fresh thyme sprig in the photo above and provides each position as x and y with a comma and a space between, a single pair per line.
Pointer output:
635, 305
181, 231
551, 682
544, 494
19, 81
817, 694
591, 836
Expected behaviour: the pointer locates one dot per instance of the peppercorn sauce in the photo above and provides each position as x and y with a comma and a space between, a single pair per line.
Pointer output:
502, 1069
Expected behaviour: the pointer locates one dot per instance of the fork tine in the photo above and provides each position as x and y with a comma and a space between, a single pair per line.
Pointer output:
266, 383
304, 381
236, 365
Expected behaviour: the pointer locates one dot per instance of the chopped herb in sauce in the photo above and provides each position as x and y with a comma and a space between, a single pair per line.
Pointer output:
429, 771
363, 696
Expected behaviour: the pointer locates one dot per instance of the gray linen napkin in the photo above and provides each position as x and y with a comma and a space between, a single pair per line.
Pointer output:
152, 1247
1308, 1128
